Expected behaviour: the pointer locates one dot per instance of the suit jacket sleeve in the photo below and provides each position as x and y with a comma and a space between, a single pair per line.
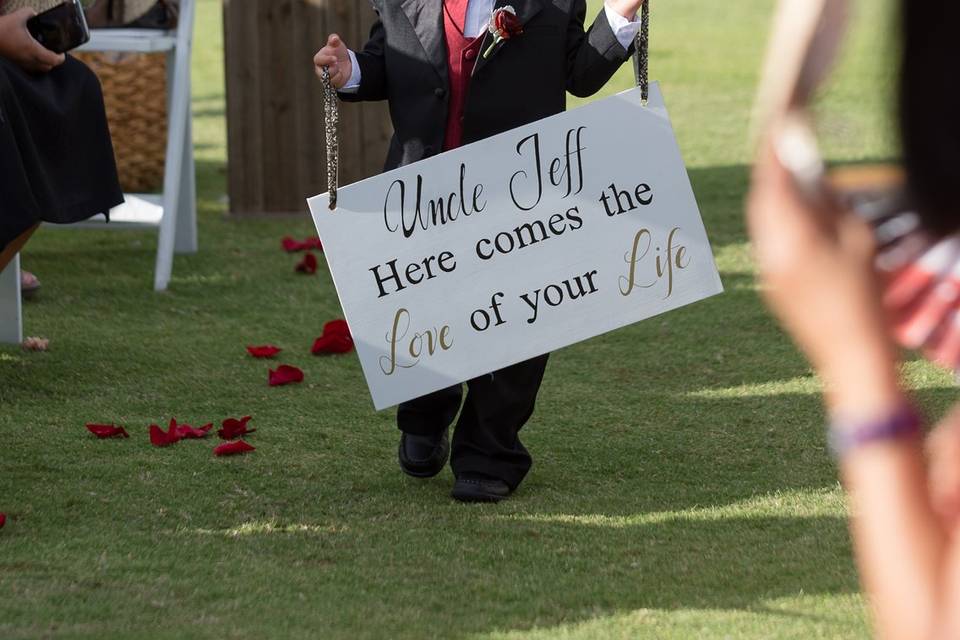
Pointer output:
373, 70
592, 56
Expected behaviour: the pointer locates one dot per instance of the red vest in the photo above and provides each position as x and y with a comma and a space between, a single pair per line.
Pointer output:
462, 54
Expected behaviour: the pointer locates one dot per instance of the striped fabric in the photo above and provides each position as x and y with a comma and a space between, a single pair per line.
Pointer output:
922, 294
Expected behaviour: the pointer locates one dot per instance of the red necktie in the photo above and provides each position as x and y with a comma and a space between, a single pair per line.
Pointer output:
458, 12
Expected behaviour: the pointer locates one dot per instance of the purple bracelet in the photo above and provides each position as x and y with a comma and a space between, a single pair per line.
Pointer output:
844, 438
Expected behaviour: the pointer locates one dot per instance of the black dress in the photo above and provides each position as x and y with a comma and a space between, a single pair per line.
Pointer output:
56, 157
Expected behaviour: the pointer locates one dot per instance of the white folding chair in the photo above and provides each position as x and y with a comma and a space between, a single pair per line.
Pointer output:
174, 211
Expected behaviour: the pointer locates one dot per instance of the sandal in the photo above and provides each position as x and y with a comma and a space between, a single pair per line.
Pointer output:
29, 285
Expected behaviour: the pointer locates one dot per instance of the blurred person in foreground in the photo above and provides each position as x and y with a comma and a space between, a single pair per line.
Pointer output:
448, 83
818, 265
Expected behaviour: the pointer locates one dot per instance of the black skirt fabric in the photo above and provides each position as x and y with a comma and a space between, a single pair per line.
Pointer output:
56, 157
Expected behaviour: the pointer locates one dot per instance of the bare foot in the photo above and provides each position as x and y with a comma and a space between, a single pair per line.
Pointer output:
29, 284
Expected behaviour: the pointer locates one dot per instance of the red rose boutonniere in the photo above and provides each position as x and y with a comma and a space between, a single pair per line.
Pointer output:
504, 24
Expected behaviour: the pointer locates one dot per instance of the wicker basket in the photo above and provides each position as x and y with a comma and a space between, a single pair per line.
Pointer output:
135, 94
9, 6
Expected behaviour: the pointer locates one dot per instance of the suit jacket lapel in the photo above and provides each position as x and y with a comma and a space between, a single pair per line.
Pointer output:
426, 16
526, 10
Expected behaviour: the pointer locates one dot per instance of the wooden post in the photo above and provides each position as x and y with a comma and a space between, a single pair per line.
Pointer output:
275, 128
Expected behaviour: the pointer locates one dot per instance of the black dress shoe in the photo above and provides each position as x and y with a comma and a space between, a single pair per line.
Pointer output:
423, 456
474, 487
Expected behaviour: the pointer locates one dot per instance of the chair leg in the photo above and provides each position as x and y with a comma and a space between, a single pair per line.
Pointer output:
166, 238
11, 315
186, 239
173, 171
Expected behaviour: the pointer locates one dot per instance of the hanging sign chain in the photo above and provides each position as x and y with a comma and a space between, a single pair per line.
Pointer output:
331, 117
641, 61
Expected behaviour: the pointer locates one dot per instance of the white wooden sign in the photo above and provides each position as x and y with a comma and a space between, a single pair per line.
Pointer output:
516, 246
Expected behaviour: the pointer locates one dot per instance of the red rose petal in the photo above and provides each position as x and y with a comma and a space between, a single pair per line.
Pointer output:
285, 374
193, 433
3, 520
266, 351
232, 448
308, 265
337, 327
161, 438
186, 432
103, 431
332, 344
291, 245
336, 338
233, 428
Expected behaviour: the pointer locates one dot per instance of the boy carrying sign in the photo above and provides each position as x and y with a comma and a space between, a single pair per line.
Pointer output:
455, 72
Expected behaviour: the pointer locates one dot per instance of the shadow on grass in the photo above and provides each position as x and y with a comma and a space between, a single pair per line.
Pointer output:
720, 192
587, 570
513, 573
725, 341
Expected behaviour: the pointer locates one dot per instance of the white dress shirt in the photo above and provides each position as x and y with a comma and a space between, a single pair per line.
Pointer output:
479, 13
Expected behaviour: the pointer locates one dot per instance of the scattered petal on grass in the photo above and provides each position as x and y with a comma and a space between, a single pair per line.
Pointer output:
285, 374
232, 448
3, 520
291, 245
186, 432
308, 265
265, 351
161, 438
336, 338
103, 431
36, 344
233, 428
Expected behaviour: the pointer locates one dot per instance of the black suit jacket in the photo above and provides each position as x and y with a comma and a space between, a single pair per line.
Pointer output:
525, 78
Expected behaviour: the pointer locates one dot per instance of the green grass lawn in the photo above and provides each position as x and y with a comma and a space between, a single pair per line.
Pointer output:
681, 486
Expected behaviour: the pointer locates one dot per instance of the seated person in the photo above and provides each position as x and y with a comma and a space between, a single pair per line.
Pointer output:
56, 157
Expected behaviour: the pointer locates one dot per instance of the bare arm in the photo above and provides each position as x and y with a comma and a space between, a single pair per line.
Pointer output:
901, 548
817, 269
626, 8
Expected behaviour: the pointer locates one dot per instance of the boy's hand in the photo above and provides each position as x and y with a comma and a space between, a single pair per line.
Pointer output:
335, 57
17, 45
627, 8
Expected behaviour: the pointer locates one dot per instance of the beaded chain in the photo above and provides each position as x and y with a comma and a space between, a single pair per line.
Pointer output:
331, 116
642, 53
